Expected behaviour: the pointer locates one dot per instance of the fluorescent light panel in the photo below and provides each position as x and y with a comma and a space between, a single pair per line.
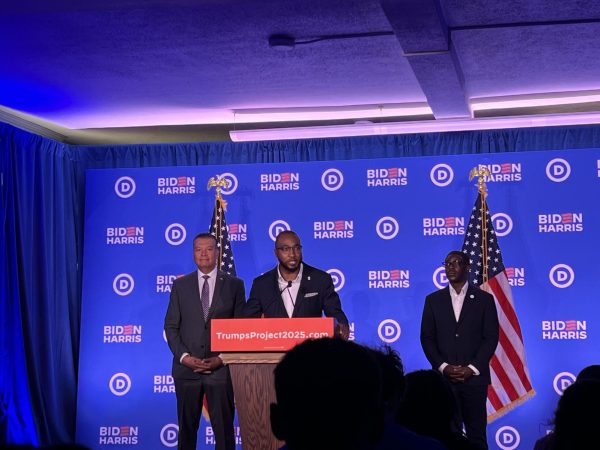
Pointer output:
533, 100
330, 113
429, 126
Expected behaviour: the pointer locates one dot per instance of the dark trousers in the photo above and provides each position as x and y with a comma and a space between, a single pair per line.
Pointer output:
472, 411
219, 397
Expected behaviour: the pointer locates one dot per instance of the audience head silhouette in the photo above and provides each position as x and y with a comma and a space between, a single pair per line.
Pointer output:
429, 408
328, 397
578, 417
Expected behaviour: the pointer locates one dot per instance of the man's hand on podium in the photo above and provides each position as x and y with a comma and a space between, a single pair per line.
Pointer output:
343, 331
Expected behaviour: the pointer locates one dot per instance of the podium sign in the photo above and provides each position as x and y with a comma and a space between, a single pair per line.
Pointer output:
266, 335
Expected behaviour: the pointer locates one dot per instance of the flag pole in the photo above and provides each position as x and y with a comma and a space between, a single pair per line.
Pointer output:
218, 183
481, 172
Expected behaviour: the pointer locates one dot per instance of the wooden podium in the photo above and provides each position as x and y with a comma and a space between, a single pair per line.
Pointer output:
252, 348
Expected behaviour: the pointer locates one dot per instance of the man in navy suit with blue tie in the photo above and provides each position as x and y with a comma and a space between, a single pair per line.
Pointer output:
295, 289
459, 335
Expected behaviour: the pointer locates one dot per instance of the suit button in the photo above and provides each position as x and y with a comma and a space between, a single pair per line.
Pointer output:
456, 335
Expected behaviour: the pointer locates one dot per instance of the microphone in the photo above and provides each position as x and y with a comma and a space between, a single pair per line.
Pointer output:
289, 285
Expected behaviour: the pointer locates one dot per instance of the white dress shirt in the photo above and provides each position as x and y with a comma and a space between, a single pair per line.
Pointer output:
458, 300
289, 294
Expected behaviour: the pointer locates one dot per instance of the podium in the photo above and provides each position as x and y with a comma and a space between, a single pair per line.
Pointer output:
252, 348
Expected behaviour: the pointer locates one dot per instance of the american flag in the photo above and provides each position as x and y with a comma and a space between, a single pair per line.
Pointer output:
511, 384
218, 228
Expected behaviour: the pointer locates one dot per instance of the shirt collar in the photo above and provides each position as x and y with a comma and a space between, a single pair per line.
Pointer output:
463, 290
212, 274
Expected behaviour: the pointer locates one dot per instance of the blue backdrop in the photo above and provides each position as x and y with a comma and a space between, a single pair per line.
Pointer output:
381, 227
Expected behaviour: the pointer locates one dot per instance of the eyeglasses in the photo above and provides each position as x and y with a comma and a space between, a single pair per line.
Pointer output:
453, 263
288, 249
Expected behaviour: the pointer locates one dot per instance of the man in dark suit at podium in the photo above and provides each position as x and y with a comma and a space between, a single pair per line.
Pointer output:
295, 289
196, 299
459, 334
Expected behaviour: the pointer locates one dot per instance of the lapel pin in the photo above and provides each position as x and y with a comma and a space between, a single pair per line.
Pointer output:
471, 296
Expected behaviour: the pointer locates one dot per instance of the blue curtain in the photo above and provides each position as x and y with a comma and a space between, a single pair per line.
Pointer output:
42, 190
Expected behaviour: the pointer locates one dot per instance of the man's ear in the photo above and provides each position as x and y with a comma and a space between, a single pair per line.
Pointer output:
278, 425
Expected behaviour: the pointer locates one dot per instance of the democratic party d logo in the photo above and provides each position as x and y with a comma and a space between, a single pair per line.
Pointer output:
389, 331
332, 179
169, 435
387, 227
562, 381
233, 183
502, 223
561, 276
175, 234
277, 227
508, 438
125, 187
119, 384
439, 278
558, 170
123, 284
338, 279
441, 175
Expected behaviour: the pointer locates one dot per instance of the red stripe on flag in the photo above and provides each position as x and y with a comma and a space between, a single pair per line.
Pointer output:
504, 380
506, 306
493, 398
514, 358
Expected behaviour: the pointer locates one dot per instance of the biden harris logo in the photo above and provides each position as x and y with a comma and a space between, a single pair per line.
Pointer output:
508, 438
176, 185
562, 381
123, 284
560, 223
175, 234
277, 227
564, 330
441, 175
165, 282
387, 228
389, 331
163, 384
515, 275
333, 229
169, 435
286, 181
558, 170
238, 232
118, 435
332, 179
561, 276
502, 172
122, 334
443, 226
119, 384
125, 187
338, 278
124, 235
386, 279
394, 176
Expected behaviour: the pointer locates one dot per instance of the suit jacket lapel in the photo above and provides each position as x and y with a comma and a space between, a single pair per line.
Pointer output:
467, 304
277, 293
301, 289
